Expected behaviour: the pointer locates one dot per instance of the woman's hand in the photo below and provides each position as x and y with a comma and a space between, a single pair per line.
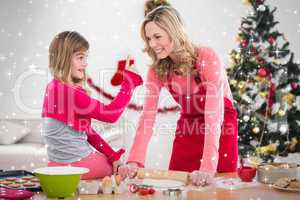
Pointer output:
200, 178
128, 170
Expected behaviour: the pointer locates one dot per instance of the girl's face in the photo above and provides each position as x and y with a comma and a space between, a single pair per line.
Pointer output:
158, 40
78, 65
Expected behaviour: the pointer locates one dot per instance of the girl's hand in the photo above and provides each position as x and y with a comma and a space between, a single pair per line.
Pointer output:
116, 164
127, 65
128, 170
200, 178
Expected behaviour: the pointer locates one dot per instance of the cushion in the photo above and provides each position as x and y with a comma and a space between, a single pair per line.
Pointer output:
23, 156
11, 132
35, 126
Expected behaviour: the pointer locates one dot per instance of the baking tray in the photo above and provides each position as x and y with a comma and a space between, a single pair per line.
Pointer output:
270, 172
19, 174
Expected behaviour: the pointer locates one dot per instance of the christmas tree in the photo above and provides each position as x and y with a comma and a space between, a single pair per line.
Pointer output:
265, 83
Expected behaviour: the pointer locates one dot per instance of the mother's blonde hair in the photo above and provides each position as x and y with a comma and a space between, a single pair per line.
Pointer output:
61, 49
167, 18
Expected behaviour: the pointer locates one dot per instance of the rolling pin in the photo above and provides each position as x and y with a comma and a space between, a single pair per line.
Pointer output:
143, 173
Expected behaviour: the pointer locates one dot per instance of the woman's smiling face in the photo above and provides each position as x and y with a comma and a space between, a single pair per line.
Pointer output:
159, 40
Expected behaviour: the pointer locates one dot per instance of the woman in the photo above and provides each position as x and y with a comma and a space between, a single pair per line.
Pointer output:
206, 133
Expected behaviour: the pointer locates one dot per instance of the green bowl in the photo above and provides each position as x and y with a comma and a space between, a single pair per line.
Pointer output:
59, 182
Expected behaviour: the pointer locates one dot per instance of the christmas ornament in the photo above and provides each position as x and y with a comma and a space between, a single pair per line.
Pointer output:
263, 94
246, 173
283, 128
262, 72
271, 40
255, 130
259, 2
260, 60
281, 113
242, 84
261, 8
244, 43
254, 51
233, 83
289, 99
118, 76
276, 62
246, 118
294, 85
271, 94
259, 79
265, 150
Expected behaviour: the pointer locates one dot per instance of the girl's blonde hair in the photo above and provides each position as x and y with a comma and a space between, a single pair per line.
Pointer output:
167, 18
61, 49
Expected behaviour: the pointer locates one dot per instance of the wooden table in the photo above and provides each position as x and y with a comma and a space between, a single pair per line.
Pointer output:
261, 192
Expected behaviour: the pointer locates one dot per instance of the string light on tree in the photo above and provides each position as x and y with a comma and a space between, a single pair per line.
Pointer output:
283, 128
246, 118
256, 130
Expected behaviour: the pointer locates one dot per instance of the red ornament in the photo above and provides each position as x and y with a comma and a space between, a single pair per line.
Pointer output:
260, 60
294, 85
143, 191
118, 76
151, 191
246, 173
254, 51
262, 72
245, 43
272, 90
271, 40
259, 2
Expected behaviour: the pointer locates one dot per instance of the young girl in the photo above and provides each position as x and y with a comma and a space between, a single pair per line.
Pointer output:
68, 110
206, 133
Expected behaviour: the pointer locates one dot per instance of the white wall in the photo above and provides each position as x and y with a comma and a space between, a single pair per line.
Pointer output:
112, 27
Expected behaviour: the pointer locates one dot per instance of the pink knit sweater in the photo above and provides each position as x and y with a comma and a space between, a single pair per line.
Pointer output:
213, 76
73, 106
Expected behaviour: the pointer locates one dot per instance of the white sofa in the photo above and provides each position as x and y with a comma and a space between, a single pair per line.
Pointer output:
29, 152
